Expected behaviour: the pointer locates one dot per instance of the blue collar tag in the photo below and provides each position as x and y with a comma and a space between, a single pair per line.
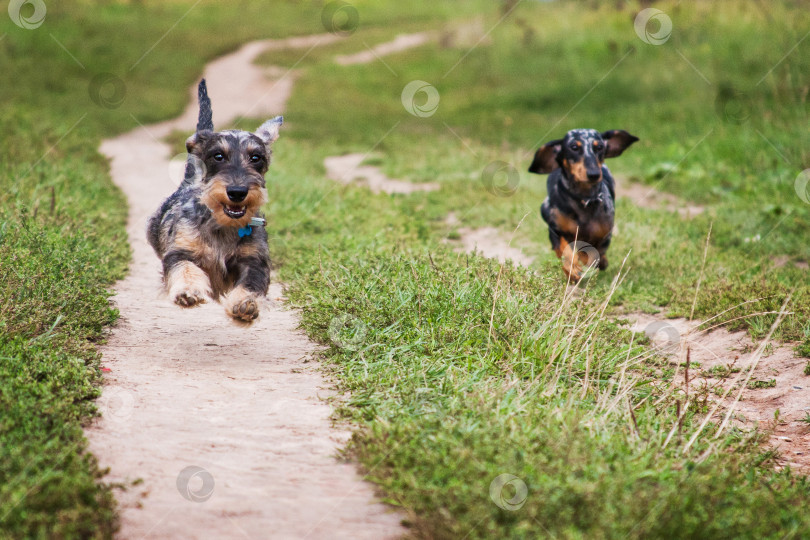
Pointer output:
245, 231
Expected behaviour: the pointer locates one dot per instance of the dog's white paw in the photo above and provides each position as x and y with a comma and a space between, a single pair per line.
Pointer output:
189, 298
242, 305
188, 285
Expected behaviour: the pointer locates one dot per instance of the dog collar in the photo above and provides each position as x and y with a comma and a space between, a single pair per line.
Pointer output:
587, 202
247, 230
584, 202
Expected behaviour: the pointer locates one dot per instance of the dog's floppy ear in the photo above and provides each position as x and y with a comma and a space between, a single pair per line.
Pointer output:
545, 159
617, 141
268, 132
195, 142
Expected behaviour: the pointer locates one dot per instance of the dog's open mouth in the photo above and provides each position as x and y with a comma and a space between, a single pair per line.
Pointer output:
234, 211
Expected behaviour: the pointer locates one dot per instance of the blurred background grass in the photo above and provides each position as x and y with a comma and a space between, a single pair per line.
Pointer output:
713, 131
62, 237
720, 107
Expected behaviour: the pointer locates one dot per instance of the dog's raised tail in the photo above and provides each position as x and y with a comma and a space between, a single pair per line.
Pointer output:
206, 119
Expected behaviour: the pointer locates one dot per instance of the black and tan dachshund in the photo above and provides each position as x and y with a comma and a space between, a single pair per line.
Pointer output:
581, 193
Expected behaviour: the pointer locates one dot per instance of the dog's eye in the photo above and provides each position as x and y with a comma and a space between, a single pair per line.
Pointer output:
255, 158
218, 156
574, 146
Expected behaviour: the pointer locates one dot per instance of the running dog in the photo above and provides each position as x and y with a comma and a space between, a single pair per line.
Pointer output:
209, 234
579, 209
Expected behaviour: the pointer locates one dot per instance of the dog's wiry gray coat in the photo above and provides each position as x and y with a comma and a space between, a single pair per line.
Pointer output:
196, 230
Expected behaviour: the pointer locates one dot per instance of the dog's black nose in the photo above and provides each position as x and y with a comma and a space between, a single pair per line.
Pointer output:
236, 193
593, 176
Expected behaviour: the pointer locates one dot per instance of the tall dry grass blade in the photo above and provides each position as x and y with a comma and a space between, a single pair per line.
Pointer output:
498, 282
494, 301
702, 268
733, 307
675, 424
588, 358
621, 376
717, 403
757, 356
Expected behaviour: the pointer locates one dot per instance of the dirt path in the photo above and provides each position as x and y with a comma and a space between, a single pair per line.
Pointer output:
488, 241
216, 430
491, 242
649, 197
401, 43
347, 168
721, 359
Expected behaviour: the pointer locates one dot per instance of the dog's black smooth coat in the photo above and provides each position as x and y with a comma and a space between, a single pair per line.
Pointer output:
581, 191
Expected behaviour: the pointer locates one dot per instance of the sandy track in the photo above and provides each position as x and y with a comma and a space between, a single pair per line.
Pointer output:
348, 168
188, 388
781, 367
401, 43
649, 197
492, 243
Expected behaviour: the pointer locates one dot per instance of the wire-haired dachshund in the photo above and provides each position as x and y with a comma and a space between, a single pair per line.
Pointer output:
579, 209
209, 234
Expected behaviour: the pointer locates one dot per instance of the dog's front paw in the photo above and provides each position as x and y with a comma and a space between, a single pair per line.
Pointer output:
242, 305
247, 310
188, 285
189, 298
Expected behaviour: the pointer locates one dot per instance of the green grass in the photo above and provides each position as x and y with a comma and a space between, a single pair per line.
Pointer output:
62, 237
502, 104
459, 370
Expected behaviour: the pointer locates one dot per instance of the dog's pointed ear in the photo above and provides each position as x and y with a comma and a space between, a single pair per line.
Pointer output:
617, 141
545, 159
195, 142
268, 132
